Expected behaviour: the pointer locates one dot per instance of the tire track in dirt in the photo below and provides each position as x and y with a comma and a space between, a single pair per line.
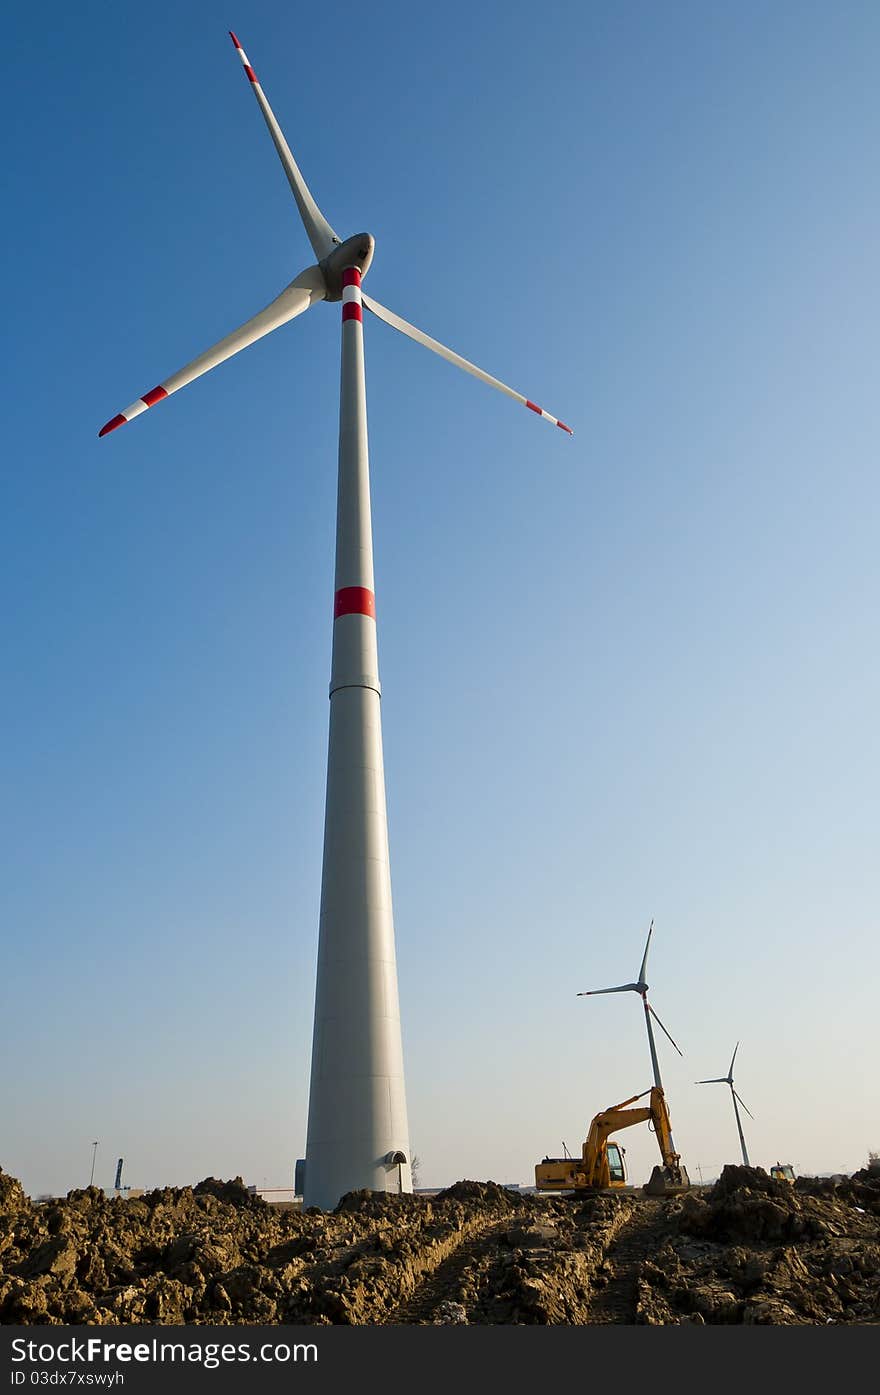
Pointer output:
445, 1282
616, 1301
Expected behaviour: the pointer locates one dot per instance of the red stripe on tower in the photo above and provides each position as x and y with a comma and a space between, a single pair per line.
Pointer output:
153, 396
354, 600
351, 295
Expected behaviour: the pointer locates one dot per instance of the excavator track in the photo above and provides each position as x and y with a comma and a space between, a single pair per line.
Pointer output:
616, 1301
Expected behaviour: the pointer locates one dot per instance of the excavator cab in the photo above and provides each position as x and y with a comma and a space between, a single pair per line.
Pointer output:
783, 1172
616, 1165
569, 1174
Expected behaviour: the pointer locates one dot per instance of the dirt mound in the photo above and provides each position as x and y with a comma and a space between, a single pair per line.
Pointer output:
378, 1205
234, 1192
760, 1251
12, 1197
750, 1250
862, 1189
479, 1194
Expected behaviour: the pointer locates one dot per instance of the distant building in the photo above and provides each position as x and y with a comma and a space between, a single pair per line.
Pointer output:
276, 1195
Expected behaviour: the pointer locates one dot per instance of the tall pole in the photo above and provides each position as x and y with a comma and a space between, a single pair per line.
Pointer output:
654, 1062
742, 1141
94, 1155
357, 1103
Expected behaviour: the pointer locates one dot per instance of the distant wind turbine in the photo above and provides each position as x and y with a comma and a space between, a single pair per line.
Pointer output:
358, 1135
641, 988
728, 1080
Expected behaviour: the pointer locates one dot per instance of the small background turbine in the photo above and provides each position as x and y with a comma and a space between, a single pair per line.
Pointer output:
728, 1080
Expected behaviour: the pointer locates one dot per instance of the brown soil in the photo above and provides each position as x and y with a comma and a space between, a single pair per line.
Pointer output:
750, 1250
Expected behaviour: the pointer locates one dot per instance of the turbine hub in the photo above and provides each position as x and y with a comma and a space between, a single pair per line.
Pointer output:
354, 251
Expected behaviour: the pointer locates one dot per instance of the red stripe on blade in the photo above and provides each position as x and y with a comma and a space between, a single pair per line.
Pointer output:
153, 396
351, 276
354, 600
234, 39
562, 426
251, 74
112, 424
532, 408
352, 311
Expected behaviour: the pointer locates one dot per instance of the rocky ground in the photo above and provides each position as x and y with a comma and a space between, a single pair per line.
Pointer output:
750, 1250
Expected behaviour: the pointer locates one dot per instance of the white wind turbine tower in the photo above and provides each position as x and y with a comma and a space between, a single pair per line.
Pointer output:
728, 1080
357, 1131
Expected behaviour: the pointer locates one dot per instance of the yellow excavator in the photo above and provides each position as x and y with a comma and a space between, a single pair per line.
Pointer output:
601, 1164
783, 1172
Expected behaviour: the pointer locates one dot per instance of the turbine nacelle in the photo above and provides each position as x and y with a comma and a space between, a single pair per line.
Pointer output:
354, 251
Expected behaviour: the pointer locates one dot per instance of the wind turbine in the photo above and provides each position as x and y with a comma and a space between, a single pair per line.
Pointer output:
728, 1080
641, 988
358, 1134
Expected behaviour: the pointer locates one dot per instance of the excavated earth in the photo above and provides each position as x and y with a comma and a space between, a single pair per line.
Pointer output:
750, 1250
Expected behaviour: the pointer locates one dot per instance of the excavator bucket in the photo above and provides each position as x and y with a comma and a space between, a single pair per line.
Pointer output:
665, 1181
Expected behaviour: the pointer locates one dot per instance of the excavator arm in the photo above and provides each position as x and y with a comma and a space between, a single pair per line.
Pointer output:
671, 1177
663, 1128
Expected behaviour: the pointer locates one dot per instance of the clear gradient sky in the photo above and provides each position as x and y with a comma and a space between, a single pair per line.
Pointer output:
626, 675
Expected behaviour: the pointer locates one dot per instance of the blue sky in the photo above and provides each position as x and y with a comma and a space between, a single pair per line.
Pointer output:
626, 675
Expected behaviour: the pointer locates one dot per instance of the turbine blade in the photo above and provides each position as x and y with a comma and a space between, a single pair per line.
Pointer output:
320, 234
716, 1080
645, 957
744, 1105
657, 1019
732, 1059
298, 296
451, 357
622, 988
